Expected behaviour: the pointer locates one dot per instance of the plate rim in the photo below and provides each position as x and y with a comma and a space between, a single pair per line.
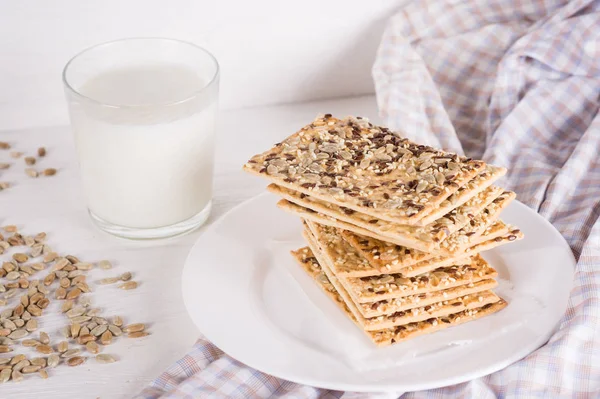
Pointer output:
376, 386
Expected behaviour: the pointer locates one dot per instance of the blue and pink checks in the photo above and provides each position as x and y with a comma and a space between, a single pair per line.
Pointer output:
516, 83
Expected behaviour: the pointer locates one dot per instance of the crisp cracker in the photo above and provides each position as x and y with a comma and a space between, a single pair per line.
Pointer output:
388, 257
417, 314
426, 238
479, 183
313, 216
365, 168
400, 333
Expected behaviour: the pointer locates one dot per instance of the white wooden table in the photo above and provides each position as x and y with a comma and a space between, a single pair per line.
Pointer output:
55, 205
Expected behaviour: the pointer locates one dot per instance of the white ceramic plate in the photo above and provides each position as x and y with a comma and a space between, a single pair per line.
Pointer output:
244, 291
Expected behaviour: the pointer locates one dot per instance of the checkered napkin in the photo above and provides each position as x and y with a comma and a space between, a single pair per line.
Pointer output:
516, 83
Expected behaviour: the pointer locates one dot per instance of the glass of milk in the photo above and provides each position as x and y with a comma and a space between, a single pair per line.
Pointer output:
143, 113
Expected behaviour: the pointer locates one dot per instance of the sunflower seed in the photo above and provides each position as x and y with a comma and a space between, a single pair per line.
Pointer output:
34, 310
73, 259
44, 338
84, 266
84, 331
125, 276
66, 306
75, 361
19, 322
137, 334
18, 334
75, 329
130, 285
41, 152
17, 358
38, 361
4, 166
77, 311
49, 172
31, 325
31, 172
74, 293
17, 376
116, 331
19, 366
43, 374
9, 324
109, 280
62, 346
13, 276
70, 353
105, 264
5, 375
80, 319
30, 342
99, 330
5, 349
66, 331
117, 321
50, 256
61, 293
84, 339
92, 347
53, 360
45, 349
106, 338
134, 328
105, 358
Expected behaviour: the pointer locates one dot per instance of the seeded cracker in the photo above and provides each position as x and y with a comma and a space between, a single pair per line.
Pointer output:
400, 333
425, 238
352, 163
479, 183
402, 317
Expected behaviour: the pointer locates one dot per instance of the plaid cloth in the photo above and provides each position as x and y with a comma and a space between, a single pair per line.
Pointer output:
514, 83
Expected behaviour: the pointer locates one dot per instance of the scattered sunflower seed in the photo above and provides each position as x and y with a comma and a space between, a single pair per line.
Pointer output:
53, 360
138, 334
41, 152
45, 349
4, 166
4, 145
44, 338
109, 280
31, 172
125, 276
5, 375
75, 361
69, 353
130, 285
17, 376
30, 160
134, 328
49, 172
43, 374
106, 338
18, 334
105, 265
16, 154
105, 358
30, 369
92, 347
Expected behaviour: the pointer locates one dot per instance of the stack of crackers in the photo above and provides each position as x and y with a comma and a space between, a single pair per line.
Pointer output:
394, 229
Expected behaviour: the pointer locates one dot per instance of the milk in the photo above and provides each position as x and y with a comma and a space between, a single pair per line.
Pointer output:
145, 164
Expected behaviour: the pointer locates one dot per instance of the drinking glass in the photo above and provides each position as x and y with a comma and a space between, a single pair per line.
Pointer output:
143, 112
